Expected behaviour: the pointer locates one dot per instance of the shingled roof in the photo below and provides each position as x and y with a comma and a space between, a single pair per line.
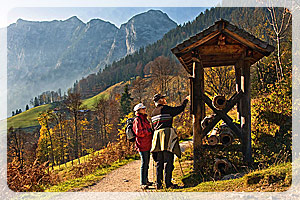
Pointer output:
221, 44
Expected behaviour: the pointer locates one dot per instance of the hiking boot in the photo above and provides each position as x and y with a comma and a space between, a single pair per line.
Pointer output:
144, 187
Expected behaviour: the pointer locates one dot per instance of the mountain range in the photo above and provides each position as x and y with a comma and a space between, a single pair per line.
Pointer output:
49, 55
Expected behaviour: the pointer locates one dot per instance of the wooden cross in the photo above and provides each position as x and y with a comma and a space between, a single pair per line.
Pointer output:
222, 114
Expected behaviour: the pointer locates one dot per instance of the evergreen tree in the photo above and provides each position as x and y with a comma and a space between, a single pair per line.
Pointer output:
59, 92
36, 102
20, 110
13, 113
27, 107
17, 111
126, 101
31, 102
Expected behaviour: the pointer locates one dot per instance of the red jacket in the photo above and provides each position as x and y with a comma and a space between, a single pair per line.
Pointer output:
143, 132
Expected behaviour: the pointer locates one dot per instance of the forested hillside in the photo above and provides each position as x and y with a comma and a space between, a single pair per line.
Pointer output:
136, 64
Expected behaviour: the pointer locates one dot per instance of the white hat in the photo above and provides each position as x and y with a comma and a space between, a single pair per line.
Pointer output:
139, 106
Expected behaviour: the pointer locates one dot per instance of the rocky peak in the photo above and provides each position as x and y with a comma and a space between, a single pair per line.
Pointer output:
56, 53
73, 19
100, 24
141, 30
151, 15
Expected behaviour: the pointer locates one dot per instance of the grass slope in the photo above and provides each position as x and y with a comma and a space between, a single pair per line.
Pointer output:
82, 159
91, 102
29, 118
274, 179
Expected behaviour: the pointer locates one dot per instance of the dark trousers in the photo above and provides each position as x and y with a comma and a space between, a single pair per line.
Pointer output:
145, 158
164, 162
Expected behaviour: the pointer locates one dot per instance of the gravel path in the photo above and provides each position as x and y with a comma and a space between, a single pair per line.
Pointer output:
123, 179
126, 178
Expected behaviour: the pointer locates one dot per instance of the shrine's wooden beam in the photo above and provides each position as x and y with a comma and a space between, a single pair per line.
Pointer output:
224, 57
211, 64
246, 110
216, 50
217, 64
185, 65
198, 112
198, 43
207, 64
245, 42
192, 94
237, 69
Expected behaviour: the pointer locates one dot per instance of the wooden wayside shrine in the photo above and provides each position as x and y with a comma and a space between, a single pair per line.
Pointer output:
222, 44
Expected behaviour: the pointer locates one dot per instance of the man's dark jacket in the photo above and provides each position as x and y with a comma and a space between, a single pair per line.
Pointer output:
162, 115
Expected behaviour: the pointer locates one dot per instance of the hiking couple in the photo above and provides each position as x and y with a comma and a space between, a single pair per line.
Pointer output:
162, 143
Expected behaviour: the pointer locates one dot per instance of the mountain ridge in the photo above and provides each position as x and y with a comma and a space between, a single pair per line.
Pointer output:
48, 55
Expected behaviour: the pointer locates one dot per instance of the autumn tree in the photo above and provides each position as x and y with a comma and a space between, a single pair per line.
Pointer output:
138, 89
179, 87
60, 120
46, 140
220, 80
161, 70
101, 111
73, 104
15, 144
280, 20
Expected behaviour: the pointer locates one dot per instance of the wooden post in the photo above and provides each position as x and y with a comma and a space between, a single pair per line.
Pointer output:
237, 69
192, 94
198, 112
246, 110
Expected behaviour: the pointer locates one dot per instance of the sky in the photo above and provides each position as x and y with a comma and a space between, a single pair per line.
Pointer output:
115, 15
115, 11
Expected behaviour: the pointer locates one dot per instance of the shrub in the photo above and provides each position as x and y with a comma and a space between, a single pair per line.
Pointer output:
272, 125
29, 178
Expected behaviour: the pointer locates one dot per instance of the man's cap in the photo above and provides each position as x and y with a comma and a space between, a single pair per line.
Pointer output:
138, 106
158, 97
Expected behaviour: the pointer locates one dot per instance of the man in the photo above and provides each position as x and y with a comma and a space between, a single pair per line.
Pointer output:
165, 141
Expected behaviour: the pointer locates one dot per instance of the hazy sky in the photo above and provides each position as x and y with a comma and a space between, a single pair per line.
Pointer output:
115, 15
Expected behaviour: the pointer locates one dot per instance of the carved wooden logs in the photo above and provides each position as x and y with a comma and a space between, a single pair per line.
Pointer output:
225, 135
208, 119
219, 102
221, 165
212, 137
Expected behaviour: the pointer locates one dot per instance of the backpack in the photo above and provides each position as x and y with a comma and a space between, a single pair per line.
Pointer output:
129, 131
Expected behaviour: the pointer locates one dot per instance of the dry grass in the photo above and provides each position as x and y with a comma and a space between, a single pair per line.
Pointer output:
28, 178
273, 179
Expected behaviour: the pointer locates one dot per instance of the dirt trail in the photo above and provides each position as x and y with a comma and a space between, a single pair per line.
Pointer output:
123, 179
126, 178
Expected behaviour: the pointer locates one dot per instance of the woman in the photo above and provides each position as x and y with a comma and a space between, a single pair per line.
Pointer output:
142, 129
